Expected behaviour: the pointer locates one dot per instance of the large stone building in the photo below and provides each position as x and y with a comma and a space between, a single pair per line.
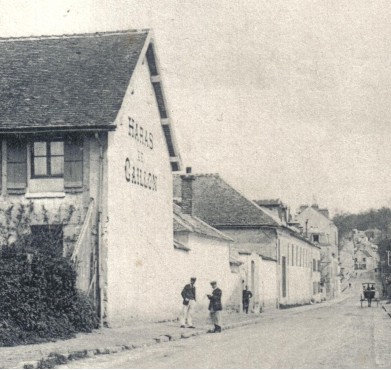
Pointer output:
255, 231
87, 147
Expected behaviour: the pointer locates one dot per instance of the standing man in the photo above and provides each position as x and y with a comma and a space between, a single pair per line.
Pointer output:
215, 307
247, 295
189, 299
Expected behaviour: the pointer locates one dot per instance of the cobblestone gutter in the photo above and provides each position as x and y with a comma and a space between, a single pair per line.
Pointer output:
62, 357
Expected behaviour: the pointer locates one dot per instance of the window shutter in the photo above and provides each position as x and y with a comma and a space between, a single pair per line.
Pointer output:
73, 164
16, 166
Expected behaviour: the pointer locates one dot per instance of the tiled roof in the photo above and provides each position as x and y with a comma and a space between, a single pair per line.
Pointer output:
75, 80
185, 222
219, 204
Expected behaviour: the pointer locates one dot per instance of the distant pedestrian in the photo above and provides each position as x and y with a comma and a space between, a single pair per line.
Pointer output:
189, 301
215, 307
246, 296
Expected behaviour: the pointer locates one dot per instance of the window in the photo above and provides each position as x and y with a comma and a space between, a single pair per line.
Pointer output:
47, 159
364, 259
315, 238
313, 265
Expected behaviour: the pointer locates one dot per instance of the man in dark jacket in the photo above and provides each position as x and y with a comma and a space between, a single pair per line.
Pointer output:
215, 307
189, 299
247, 295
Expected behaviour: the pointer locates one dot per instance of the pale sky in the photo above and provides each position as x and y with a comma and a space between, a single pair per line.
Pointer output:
285, 99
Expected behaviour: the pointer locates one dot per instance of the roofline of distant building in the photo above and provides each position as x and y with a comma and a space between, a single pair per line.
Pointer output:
271, 227
252, 226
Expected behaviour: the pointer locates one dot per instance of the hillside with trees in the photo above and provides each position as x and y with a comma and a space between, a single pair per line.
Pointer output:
373, 219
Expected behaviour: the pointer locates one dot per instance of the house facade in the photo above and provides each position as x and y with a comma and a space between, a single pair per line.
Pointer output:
318, 228
87, 146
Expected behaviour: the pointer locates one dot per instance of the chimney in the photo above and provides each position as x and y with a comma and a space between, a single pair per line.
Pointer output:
315, 206
187, 192
325, 212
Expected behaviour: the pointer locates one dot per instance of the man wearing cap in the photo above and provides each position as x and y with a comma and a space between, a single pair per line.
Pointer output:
215, 307
189, 300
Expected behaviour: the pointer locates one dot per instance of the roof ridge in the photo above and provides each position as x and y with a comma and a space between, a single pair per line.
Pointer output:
74, 35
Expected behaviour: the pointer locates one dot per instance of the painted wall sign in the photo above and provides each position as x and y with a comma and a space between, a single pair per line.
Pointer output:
136, 173
140, 134
139, 176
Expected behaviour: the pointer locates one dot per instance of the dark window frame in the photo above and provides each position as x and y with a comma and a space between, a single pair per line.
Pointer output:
48, 157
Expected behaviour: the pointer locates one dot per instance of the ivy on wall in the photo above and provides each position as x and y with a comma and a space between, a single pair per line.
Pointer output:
39, 300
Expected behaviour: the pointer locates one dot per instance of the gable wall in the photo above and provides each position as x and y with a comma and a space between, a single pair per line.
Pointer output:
317, 223
139, 238
258, 240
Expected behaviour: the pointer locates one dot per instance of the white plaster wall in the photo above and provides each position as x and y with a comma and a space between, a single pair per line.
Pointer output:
268, 284
208, 260
299, 275
140, 254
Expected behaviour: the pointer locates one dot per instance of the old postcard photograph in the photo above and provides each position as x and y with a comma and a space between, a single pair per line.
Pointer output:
195, 184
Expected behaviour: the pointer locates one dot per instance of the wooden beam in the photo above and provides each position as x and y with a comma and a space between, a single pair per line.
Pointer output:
174, 159
165, 121
155, 79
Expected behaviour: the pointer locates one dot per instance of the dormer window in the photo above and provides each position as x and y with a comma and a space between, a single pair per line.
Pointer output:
47, 159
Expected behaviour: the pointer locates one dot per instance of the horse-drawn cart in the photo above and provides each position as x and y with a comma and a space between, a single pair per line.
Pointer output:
369, 294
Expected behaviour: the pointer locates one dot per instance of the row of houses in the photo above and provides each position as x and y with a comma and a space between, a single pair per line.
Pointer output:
366, 254
88, 147
281, 265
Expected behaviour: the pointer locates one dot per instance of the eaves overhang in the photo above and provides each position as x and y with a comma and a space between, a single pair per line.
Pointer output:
55, 129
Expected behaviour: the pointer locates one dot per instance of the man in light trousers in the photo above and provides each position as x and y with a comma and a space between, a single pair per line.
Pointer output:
189, 301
